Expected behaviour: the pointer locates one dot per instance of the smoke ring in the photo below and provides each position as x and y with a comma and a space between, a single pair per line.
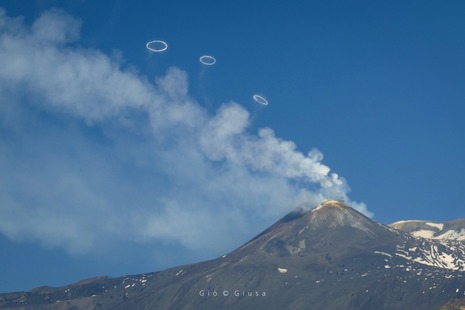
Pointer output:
157, 46
260, 99
207, 60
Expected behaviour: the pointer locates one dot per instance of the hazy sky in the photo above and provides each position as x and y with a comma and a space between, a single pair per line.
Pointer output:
117, 160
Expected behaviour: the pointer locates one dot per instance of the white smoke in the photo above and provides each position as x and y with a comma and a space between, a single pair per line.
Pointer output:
92, 153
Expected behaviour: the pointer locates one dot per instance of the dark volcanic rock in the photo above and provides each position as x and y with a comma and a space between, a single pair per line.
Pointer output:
331, 257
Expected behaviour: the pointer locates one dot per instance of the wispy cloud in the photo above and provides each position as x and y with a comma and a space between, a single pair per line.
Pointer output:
92, 153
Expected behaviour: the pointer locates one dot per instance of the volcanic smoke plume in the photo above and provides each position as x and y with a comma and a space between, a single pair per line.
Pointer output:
89, 146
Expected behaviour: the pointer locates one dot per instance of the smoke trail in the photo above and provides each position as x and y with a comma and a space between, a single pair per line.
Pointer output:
89, 148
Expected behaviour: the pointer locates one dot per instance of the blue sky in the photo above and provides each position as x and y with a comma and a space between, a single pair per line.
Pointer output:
115, 160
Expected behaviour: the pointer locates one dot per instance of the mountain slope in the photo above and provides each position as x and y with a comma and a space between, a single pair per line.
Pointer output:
442, 244
331, 257
451, 230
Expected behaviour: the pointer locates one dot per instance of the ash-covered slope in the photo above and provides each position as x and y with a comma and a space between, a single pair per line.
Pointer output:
331, 257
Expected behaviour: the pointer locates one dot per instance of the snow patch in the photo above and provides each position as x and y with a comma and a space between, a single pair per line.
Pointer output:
282, 270
444, 254
439, 226
383, 253
423, 233
452, 235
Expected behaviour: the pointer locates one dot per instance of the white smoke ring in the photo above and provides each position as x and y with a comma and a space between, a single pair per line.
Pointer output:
157, 46
207, 60
260, 99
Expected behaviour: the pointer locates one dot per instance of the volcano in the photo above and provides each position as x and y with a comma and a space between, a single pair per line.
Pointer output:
329, 257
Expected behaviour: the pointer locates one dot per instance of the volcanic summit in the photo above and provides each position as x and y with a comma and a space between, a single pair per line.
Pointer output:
329, 257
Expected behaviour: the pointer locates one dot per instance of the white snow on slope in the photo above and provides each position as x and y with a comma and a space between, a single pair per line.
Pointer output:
383, 253
443, 254
452, 235
440, 226
423, 233
282, 270
440, 234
